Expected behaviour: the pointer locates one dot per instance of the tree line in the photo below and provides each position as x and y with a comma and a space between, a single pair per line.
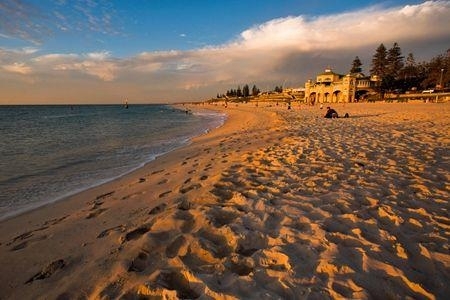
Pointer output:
246, 92
237, 93
399, 74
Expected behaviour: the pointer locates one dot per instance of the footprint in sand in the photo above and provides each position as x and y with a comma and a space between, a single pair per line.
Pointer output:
164, 194
106, 195
56, 220
177, 247
158, 171
159, 208
190, 188
140, 262
163, 181
96, 213
176, 281
222, 216
26, 243
48, 270
216, 244
133, 195
188, 221
108, 231
241, 266
136, 233
25, 235
222, 191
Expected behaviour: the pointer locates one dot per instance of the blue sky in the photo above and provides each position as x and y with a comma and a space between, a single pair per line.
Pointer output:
129, 27
156, 50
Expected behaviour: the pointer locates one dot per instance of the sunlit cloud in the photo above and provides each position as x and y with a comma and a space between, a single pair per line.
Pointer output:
103, 70
94, 64
19, 68
28, 50
54, 57
352, 29
99, 55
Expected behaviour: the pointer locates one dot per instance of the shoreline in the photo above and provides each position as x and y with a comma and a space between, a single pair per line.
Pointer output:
274, 203
8, 214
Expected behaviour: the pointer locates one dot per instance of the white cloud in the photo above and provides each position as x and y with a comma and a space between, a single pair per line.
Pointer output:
94, 64
351, 29
102, 55
20, 68
54, 57
105, 71
29, 50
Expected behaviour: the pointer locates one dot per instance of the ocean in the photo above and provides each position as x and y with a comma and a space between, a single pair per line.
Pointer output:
50, 152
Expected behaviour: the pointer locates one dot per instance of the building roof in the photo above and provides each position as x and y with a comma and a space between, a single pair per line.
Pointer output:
328, 71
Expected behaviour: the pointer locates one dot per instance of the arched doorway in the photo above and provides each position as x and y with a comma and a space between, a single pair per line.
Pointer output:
361, 95
312, 98
337, 96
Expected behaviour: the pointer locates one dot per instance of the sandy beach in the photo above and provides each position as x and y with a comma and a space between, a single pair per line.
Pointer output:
275, 204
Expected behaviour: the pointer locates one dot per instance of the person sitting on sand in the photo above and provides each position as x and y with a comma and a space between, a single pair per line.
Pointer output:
331, 113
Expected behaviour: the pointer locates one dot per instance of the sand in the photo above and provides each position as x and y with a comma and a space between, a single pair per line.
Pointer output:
276, 204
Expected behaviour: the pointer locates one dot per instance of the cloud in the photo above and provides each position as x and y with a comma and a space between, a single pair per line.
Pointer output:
48, 59
351, 29
105, 70
20, 68
95, 64
281, 51
102, 55
19, 19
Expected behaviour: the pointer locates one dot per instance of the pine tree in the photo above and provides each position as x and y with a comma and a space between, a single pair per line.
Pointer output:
394, 61
255, 91
410, 73
435, 72
356, 66
379, 62
410, 60
278, 89
239, 92
246, 91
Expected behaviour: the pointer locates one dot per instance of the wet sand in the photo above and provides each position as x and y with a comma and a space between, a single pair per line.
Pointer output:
276, 203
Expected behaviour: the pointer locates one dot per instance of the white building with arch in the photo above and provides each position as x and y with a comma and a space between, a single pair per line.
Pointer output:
330, 87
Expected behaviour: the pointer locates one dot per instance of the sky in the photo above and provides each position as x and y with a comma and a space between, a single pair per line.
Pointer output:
163, 51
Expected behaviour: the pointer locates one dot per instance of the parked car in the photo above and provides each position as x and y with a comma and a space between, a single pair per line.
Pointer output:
427, 91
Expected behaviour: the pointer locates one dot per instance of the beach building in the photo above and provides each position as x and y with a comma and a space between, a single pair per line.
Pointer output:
330, 87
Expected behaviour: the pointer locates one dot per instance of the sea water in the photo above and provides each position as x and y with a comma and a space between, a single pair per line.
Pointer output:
50, 152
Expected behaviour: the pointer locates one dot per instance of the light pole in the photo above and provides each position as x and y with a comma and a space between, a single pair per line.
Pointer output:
440, 80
